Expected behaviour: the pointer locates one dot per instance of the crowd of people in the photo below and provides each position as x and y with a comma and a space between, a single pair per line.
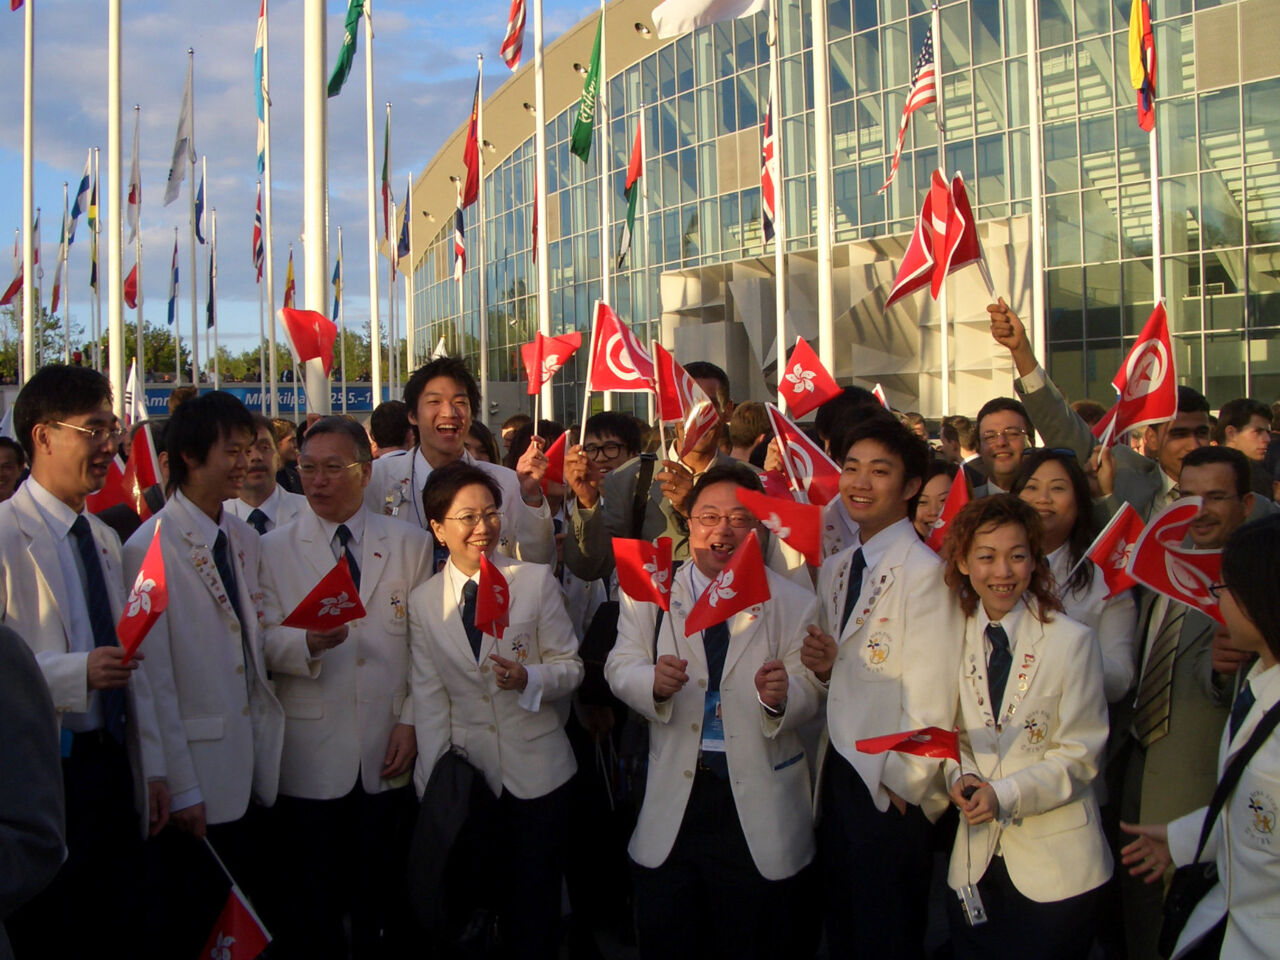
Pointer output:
595, 771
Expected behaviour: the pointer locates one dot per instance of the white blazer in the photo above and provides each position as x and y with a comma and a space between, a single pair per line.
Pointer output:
31, 586
456, 700
340, 707
1044, 748
1243, 842
768, 770
896, 666
221, 735
281, 507
1114, 621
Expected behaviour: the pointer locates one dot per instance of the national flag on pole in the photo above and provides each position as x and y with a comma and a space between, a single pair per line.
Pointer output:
173, 284
635, 170
1142, 62
336, 281
347, 52
806, 384
93, 235
289, 291
59, 264
15, 4
924, 89
135, 404
493, 599
741, 584
1112, 548
134, 201
584, 122
311, 336
1160, 562
200, 211
259, 87
945, 239
471, 153
184, 148
148, 598
459, 241
644, 569
330, 603
386, 180
674, 17
768, 172
513, 41
809, 469
35, 251
1147, 383
131, 288
402, 247
799, 525
259, 252
618, 361
544, 356
211, 307
238, 933
15, 285
926, 742
81, 204
957, 497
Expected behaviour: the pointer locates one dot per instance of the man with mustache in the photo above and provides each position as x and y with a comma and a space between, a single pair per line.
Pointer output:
263, 503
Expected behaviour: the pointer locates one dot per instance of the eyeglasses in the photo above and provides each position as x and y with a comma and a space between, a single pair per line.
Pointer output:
1215, 590
738, 518
98, 435
1010, 435
472, 519
608, 450
330, 471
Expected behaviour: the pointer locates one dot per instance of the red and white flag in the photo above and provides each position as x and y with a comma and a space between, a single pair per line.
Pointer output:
147, 599
1160, 562
142, 472
238, 934
555, 461
944, 240
809, 469
768, 173
618, 361
957, 497
681, 400
471, 153
924, 90
925, 742
112, 491
311, 335
513, 42
131, 289
775, 484
644, 569
544, 356
741, 584
799, 525
1147, 383
331, 603
878, 392
1112, 548
806, 384
493, 600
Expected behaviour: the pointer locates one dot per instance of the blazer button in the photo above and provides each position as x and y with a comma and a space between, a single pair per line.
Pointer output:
484, 668
244, 712
688, 774
360, 661
492, 728
239, 668
693, 727
702, 682
484, 697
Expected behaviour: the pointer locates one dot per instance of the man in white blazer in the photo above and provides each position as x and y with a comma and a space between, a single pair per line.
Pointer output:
220, 722
62, 591
263, 503
887, 643
442, 397
349, 740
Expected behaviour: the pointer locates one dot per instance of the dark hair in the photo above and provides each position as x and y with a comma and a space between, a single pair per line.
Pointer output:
281, 428
341, 426
519, 441
482, 433
1191, 400
445, 482
841, 411
197, 425
622, 425
748, 422
180, 395
1237, 414
896, 437
261, 423
56, 392
1233, 458
450, 367
963, 430
999, 405
704, 370
939, 468
1090, 411
738, 473
389, 424
913, 418
8, 443
1083, 530
516, 421
997, 510
1251, 574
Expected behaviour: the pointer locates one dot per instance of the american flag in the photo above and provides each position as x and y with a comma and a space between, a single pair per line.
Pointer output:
514, 39
258, 252
924, 89
768, 173
459, 242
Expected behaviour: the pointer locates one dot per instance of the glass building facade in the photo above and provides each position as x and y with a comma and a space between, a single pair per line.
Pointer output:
700, 260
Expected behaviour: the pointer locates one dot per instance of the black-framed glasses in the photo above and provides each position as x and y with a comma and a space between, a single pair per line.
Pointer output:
1215, 590
98, 435
608, 450
736, 518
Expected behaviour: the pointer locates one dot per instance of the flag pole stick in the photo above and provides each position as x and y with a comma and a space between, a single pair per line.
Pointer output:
263, 402
604, 161
227, 873
191, 193
656, 408
1038, 331
406, 358
60, 281
97, 282
268, 260
213, 294
315, 189
375, 326
393, 371
115, 218
591, 356
481, 298
28, 192
140, 347
779, 217
540, 197
944, 313
822, 164
342, 326
176, 323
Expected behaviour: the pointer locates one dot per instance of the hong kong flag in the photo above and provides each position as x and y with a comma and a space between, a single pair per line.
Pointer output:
331, 603
776, 485
808, 467
493, 600
1180, 573
957, 497
238, 934
544, 357
618, 361
644, 569
1113, 547
944, 240
146, 601
112, 492
799, 525
925, 742
806, 384
142, 472
741, 584
555, 461
878, 392
311, 334
1147, 383
680, 399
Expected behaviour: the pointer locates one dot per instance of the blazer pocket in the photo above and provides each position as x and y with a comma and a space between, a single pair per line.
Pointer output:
202, 728
303, 709
878, 649
539, 724
1072, 816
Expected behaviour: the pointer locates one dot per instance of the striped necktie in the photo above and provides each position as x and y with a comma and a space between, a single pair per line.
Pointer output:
1155, 689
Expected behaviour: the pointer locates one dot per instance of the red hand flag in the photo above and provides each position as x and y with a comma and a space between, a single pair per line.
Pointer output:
618, 361
238, 933
146, 601
555, 461
806, 383
677, 392
957, 497
142, 472
741, 584
131, 288
112, 492
544, 356
1113, 547
644, 569
925, 742
808, 467
775, 484
1147, 383
878, 392
1180, 573
799, 525
311, 334
493, 600
331, 603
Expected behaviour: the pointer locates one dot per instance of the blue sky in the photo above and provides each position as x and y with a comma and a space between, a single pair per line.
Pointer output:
424, 64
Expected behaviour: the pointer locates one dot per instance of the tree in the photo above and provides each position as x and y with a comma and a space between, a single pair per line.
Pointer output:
157, 342
49, 338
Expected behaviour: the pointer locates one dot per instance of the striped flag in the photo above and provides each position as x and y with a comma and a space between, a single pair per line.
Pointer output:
514, 39
386, 181
336, 280
59, 264
471, 153
92, 220
1142, 63
173, 284
259, 253
81, 204
459, 242
200, 210
768, 172
260, 87
288, 283
635, 170
134, 207
924, 89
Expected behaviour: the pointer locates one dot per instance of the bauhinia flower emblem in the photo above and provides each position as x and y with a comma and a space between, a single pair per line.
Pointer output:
140, 595
333, 606
721, 588
657, 577
773, 523
801, 380
222, 946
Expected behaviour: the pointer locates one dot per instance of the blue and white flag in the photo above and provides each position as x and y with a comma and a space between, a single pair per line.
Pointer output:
82, 198
173, 285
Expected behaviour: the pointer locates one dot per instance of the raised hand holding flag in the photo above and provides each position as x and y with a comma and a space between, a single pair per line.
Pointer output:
644, 569
799, 525
493, 600
331, 603
1113, 547
741, 584
147, 599
808, 467
806, 384
544, 356
1147, 383
1184, 574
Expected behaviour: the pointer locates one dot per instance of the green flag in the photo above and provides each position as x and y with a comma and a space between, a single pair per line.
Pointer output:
584, 123
635, 170
342, 69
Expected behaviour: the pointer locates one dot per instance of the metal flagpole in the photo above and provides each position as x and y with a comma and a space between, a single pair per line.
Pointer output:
481, 265
213, 290
39, 302
97, 285
342, 326
393, 371
177, 327
273, 374
822, 178
375, 328
264, 405
406, 359
60, 281
140, 346
28, 192
315, 187
191, 193
540, 195
944, 315
604, 161
1034, 107
211, 359
779, 216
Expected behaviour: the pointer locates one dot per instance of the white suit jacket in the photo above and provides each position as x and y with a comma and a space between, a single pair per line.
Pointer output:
31, 588
1243, 842
281, 507
395, 489
221, 735
768, 770
340, 707
1114, 621
1047, 742
896, 666
456, 699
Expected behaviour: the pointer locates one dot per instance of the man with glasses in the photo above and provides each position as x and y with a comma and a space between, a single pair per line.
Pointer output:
62, 589
349, 741
1004, 433
263, 503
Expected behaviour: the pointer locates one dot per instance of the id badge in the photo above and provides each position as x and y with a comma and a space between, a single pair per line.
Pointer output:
712, 724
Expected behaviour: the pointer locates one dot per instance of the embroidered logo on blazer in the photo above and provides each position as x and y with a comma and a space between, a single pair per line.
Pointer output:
1261, 827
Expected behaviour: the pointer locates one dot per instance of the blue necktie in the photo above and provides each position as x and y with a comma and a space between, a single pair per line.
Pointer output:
258, 520
998, 666
1240, 709
469, 590
344, 538
100, 620
715, 644
854, 593
227, 574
